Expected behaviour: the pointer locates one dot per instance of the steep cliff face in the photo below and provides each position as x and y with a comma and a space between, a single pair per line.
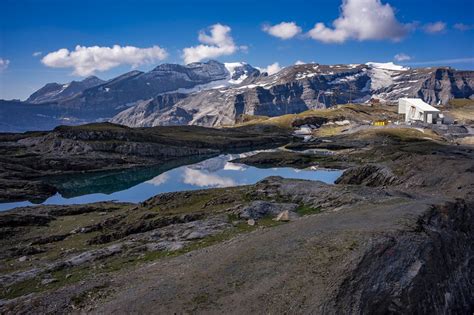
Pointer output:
145, 112
311, 86
422, 272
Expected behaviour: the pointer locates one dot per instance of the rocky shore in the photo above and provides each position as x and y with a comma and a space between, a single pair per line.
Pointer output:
393, 235
29, 160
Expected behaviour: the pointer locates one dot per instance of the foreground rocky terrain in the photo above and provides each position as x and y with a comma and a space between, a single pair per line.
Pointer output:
393, 235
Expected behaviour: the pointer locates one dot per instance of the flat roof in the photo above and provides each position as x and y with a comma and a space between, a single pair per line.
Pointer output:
418, 102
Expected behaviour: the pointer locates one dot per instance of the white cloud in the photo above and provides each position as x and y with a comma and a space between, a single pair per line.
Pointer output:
217, 43
87, 60
284, 30
402, 57
4, 64
463, 27
271, 69
159, 180
299, 62
203, 179
361, 20
37, 53
433, 28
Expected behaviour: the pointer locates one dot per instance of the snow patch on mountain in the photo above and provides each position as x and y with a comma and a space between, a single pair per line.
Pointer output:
380, 78
386, 66
383, 75
232, 67
238, 72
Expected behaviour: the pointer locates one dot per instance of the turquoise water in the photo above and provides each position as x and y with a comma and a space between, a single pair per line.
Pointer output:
140, 184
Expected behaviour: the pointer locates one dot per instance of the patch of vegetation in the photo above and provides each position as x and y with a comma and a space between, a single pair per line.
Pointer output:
21, 288
33, 285
201, 298
460, 102
399, 134
307, 210
330, 130
355, 112
118, 263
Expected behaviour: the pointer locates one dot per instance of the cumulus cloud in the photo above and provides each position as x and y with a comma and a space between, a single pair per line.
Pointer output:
271, 69
215, 42
361, 20
433, 28
284, 30
4, 64
402, 57
203, 179
37, 53
159, 180
463, 27
88, 60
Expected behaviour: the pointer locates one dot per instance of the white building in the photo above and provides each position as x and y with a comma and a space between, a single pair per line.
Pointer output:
415, 109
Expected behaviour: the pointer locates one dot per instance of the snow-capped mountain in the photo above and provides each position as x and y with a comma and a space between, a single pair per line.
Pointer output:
95, 100
301, 87
216, 94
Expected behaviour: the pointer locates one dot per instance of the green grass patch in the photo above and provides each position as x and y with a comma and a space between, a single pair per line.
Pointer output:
460, 102
33, 285
307, 210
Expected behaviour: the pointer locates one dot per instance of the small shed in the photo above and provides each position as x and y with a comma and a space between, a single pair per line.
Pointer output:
415, 109
381, 122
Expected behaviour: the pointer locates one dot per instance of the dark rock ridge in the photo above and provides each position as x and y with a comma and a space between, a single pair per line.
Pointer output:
27, 159
426, 271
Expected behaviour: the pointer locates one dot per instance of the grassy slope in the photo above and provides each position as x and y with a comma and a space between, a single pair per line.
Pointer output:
353, 112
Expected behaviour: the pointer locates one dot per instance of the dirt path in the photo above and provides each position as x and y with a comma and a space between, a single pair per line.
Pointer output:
296, 267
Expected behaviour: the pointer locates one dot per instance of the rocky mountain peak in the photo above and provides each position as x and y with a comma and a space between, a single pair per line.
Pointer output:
55, 92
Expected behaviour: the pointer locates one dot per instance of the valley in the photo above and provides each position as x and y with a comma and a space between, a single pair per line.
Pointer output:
404, 198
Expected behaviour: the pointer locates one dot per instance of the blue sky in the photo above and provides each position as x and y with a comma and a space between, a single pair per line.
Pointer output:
422, 32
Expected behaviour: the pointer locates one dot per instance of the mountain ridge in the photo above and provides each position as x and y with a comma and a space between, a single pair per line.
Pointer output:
302, 87
215, 94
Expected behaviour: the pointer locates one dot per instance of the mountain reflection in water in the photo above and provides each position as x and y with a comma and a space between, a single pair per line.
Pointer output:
136, 185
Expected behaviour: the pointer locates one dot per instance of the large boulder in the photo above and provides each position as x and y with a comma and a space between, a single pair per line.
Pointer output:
259, 209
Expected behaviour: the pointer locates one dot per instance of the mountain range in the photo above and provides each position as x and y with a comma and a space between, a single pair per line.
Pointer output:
216, 94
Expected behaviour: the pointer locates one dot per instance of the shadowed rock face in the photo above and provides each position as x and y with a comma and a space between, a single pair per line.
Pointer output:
53, 92
419, 272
